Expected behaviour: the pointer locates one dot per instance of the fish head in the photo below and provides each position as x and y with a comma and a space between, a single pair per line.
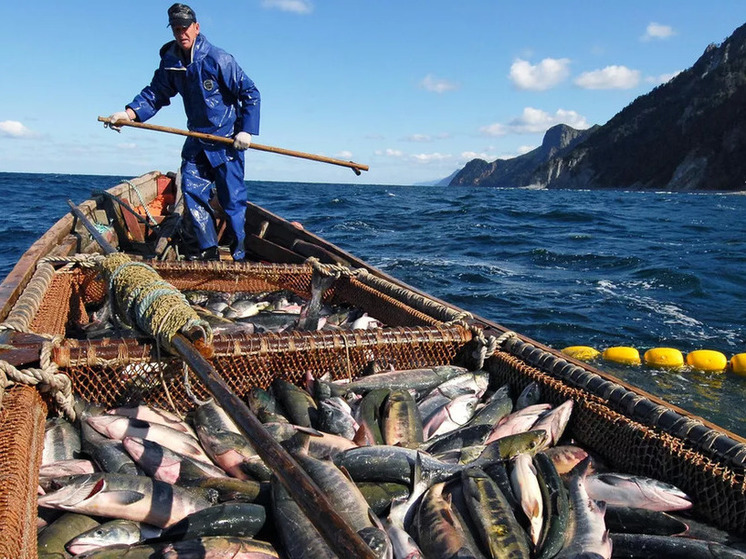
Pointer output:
109, 533
72, 490
378, 541
462, 407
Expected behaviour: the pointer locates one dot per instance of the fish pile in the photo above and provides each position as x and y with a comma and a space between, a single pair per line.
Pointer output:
248, 313
429, 463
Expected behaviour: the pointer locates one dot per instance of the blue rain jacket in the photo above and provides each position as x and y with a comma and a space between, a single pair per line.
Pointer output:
219, 98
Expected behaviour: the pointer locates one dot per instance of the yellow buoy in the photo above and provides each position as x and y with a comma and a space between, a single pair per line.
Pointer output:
623, 355
707, 360
738, 364
581, 352
663, 357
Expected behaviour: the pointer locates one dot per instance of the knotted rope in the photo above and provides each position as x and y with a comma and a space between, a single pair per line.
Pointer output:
47, 378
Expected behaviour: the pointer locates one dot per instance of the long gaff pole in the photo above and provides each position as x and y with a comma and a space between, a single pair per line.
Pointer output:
356, 167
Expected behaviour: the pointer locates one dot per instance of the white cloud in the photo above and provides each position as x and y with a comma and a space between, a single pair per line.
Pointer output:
469, 155
525, 149
430, 157
418, 138
127, 146
544, 75
657, 31
534, 121
345, 154
388, 152
611, 77
661, 79
295, 6
437, 85
15, 129
495, 129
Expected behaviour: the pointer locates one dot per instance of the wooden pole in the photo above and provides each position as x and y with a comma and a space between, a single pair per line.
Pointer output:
335, 531
356, 167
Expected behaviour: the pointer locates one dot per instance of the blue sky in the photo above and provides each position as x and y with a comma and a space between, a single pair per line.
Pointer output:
412, 88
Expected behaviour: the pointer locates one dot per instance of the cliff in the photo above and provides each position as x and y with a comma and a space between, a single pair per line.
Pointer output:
521, 170
687, 134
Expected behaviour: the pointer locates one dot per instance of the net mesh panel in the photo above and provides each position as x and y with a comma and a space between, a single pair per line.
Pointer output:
717, 490
116, 374
22, 417
58, 305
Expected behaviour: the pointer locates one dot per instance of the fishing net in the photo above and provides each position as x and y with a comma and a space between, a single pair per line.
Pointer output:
22, 416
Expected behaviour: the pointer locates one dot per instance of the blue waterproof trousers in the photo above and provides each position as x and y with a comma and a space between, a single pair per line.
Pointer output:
197, 177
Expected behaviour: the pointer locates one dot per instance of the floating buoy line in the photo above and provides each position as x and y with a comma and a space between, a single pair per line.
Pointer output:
706, 360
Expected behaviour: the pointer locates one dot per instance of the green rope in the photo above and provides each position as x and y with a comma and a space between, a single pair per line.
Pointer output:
142, 298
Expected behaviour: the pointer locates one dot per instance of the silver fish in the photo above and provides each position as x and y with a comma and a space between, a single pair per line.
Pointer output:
518, 421
454, 414
154, 415
420, 380
526, 488
112, 533
586, 530
636, 491
117, 427
61, 441
528, 397
554, 422
122, 496
166, 465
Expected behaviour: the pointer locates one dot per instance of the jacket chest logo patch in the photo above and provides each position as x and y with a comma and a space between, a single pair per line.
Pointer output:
208, 85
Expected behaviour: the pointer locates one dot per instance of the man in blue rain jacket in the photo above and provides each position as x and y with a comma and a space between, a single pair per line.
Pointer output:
220, 99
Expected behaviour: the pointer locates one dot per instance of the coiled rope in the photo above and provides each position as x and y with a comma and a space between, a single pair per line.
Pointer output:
142, 298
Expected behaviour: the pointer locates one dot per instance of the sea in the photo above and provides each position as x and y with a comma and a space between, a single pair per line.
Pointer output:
563, 267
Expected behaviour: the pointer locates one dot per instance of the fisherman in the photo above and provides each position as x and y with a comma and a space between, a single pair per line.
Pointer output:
220, 99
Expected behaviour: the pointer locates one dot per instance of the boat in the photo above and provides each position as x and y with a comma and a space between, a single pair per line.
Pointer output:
49, 293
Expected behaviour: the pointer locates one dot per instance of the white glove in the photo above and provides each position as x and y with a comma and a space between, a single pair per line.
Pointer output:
242, 141
121, 115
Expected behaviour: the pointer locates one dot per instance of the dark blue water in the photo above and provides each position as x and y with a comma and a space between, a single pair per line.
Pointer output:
562, 267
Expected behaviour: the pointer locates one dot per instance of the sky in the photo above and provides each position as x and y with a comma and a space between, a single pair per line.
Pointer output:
412, 88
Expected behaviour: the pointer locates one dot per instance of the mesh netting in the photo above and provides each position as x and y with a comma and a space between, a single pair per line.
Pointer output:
22, 416
113, 374
717, 490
